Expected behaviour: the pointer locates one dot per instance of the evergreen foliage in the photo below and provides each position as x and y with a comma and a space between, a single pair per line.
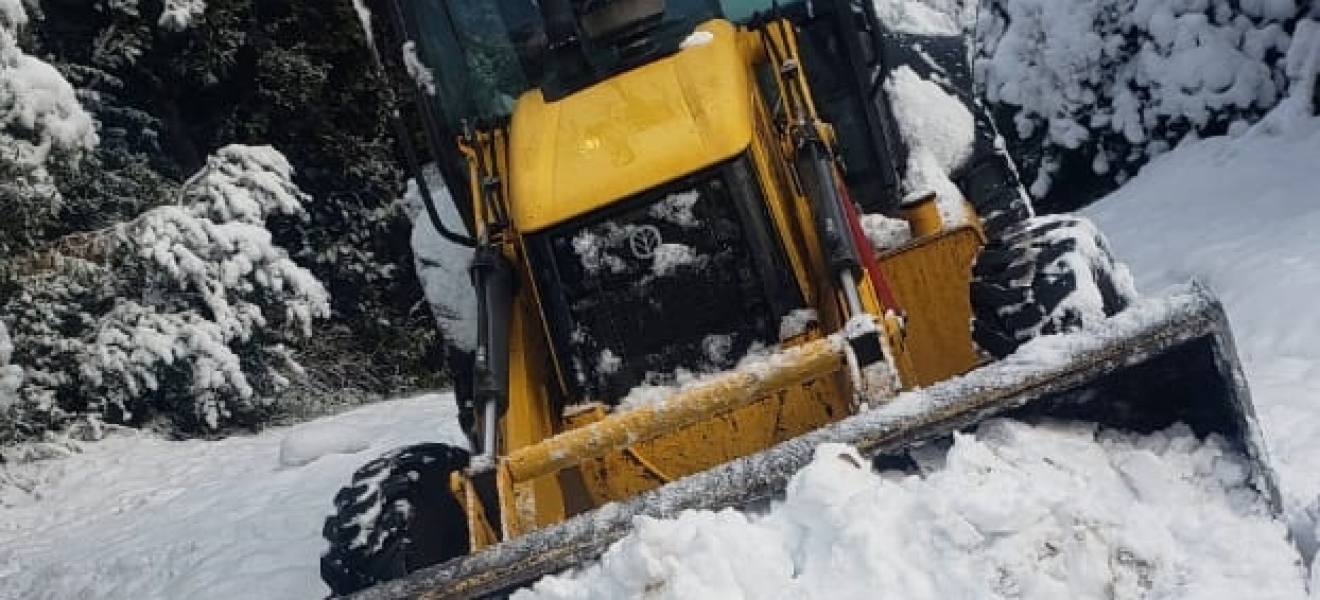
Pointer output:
186, 313
168, 82
1088, 91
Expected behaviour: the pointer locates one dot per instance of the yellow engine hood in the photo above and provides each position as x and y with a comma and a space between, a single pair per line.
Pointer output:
629, 133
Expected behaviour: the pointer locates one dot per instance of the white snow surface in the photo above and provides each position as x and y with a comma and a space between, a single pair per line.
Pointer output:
886, 233
1003, 517
136, 517
1239, 215
303, 445
917, 18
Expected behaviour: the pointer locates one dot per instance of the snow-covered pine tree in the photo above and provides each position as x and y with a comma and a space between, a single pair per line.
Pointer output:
163, 97
1090, 90
188, 312
41, 123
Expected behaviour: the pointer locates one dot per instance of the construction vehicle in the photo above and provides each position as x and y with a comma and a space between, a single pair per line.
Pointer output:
660, 187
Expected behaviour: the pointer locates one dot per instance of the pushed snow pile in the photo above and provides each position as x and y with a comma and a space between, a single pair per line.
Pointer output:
308, 443
1015, 511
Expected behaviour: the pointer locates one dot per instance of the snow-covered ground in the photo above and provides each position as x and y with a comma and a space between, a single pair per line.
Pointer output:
139, 518
1011, 511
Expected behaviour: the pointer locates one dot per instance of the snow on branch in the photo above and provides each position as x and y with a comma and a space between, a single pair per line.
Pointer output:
1126, 80
11, 376
194, 311
244, 183
179, 15
39, 112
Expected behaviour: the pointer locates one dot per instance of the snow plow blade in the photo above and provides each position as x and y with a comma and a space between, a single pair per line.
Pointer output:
1163, 361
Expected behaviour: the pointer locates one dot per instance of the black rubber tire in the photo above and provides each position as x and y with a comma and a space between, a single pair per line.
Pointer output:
1047, 274
990, 183
396, 516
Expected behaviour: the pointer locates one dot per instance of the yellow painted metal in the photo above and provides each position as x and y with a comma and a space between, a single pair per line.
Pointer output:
629, 133
923, 214
930, 278
480, 531
530, 418
487, 155
722, 394
787, 207
720, 438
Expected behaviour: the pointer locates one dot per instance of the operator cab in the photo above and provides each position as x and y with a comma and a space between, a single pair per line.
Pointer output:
481, 56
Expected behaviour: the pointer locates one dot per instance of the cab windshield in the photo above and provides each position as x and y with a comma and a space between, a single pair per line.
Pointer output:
482, 55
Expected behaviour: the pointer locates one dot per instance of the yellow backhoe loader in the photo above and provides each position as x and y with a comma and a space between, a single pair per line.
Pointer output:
669, 204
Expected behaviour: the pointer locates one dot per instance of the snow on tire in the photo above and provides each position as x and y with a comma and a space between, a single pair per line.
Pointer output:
396, 516
1048, 274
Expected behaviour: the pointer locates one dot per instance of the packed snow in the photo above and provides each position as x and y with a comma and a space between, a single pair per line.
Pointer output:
1013, 511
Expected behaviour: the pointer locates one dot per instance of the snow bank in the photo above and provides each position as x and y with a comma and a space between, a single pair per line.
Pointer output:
305, 444
1057, 511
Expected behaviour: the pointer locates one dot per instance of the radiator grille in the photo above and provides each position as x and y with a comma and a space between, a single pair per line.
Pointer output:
666, 284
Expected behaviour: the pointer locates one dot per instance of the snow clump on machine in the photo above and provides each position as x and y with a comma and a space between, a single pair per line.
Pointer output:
442, 265
1012, 511
939, 133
